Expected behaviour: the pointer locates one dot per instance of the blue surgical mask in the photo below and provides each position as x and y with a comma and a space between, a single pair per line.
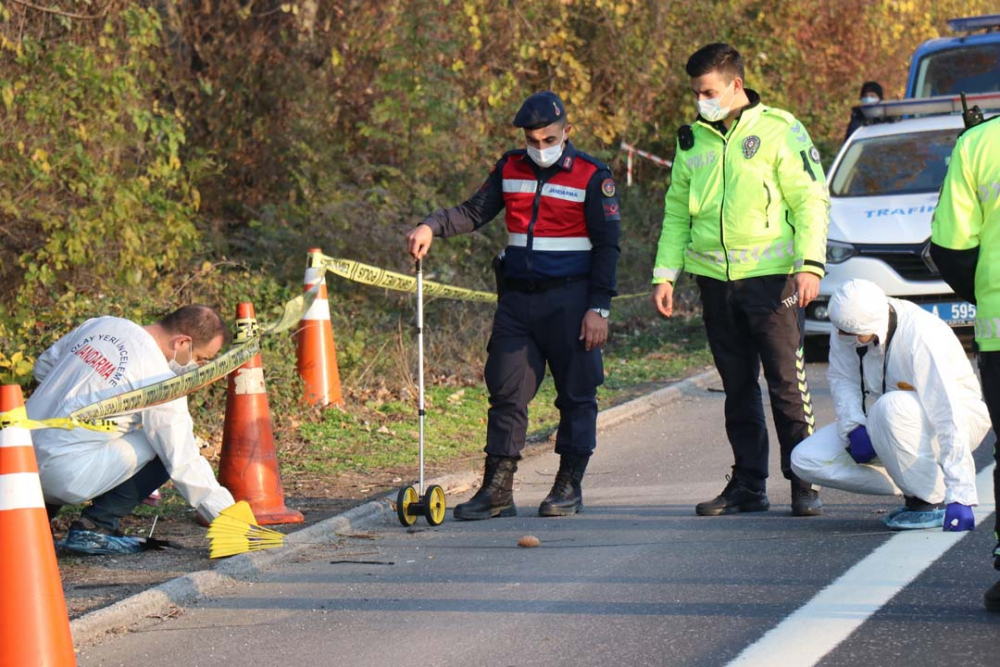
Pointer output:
869, 99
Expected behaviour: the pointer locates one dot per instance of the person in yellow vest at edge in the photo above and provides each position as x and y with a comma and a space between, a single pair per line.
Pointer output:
965, 246
747, 213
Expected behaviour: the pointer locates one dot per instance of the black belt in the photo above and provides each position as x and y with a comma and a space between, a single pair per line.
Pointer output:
522, 285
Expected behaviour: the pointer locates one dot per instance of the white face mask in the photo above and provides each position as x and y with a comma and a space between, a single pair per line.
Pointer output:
712, 109
869, 99
546, 157
853, 341
179, 369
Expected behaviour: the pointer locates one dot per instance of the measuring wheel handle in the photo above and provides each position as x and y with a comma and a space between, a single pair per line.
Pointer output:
434, 505
408, 506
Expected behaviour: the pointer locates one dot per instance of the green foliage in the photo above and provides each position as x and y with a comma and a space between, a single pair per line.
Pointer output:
382, 433
96, 203
340, 125
167, 152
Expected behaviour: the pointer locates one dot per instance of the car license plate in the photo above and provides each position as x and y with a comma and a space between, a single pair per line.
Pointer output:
958, 313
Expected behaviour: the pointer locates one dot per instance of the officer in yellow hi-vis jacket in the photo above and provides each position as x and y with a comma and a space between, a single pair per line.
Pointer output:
965, 246
747, 212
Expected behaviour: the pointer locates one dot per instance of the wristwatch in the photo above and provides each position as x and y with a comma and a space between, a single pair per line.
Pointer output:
603, 312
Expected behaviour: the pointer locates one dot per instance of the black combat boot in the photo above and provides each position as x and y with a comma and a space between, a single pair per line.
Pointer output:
736, 497
566, 496
992, 596
496, 496
805, 499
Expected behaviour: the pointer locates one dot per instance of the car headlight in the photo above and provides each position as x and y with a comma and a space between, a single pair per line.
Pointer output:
838, 252
818, 310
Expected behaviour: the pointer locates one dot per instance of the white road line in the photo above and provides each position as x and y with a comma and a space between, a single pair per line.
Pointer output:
816, 628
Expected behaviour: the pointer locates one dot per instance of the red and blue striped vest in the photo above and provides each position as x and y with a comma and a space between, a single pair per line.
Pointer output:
546, 221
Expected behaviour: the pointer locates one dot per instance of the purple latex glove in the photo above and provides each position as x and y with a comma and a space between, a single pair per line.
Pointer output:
958, 517
860, 445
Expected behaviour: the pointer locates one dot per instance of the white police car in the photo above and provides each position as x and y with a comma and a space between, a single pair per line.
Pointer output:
884, 185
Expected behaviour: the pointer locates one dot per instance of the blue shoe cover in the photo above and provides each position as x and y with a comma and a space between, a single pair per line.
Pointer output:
93, 543
893, 514
910, 520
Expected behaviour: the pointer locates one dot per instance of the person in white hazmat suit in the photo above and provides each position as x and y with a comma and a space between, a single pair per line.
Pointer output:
103, 357
904, 392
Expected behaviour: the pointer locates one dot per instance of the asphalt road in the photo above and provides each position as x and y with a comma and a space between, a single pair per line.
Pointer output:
637, 579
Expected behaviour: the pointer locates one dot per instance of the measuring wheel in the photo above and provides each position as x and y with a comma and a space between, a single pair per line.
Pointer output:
408, 506
434, 505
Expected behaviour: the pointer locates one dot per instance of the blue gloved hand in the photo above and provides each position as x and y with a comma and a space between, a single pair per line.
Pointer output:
958, 517
860, 445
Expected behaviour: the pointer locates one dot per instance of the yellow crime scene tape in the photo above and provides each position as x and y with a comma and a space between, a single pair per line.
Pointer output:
92, 417
185, 383
377, 277
19, 417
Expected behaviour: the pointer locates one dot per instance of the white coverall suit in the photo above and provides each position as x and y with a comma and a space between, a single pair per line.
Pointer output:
103, 357
927, 417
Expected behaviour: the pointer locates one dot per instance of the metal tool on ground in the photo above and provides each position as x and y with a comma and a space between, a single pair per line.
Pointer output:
235, 531
429, 503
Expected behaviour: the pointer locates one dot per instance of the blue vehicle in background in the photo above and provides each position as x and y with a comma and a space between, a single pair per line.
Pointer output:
968, 63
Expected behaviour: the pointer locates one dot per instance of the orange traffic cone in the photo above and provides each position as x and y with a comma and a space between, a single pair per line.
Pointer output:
248, 465
317, 353
34, 625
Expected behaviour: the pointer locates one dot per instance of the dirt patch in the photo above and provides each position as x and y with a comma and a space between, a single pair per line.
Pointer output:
93, 582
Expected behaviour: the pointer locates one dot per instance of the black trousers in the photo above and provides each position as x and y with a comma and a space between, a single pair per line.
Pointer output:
989, 373
530, 330
106, 509
754, 322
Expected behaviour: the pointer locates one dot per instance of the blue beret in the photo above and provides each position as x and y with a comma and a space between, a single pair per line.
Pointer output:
539, 110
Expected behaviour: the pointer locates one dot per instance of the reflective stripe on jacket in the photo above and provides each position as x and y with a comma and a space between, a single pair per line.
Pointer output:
748, 202
967, 220
561, 221
545, 218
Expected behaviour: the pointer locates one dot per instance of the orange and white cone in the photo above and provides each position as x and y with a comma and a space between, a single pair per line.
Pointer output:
316, 351
34, 624
248, 465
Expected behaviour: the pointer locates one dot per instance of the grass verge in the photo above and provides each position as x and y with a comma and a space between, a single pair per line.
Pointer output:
374, 438
383, 433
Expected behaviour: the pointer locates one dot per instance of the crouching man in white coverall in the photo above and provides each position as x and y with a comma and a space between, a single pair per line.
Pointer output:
103, 357
925, 417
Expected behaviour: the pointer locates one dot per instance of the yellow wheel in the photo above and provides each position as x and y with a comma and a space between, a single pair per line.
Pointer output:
434, 505
407, 496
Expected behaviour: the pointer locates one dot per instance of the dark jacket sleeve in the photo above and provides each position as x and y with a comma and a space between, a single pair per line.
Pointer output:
855, 123
603, 225
474, 212
958, 269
